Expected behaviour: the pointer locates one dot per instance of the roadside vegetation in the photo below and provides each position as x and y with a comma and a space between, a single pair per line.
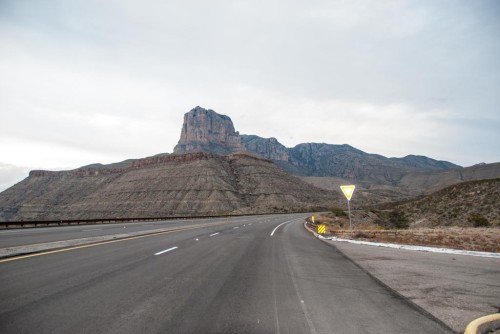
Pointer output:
463, 216
392, 226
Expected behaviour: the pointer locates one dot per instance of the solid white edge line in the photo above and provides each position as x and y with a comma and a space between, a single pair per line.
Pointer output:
214, 234
166, 250
416, 248
272, 233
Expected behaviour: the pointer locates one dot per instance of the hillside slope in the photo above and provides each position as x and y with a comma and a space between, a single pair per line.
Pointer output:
420, 183
456, 205
411, 184
193, 184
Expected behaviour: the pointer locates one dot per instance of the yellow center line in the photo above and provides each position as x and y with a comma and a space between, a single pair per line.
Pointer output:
94, 244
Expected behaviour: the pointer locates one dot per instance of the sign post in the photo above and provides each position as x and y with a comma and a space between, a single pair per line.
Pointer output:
348, 191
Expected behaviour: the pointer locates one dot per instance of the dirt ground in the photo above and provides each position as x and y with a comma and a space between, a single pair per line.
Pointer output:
475, 239
465, 238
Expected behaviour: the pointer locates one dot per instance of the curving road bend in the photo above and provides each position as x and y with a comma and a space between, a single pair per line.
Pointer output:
250, 275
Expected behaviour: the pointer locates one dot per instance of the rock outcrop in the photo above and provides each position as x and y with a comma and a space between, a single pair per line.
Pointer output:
205, 130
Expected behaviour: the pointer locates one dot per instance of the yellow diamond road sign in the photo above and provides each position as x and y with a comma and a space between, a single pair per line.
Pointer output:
321, 229
348, 190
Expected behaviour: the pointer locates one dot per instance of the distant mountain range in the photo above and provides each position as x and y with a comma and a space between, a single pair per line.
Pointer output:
216, 171
327, 165
205, 130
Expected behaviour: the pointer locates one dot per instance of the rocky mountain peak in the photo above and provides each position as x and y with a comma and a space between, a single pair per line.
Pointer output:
206, 130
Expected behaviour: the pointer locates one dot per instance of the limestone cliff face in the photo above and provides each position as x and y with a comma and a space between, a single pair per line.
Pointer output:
206, 130
269, 148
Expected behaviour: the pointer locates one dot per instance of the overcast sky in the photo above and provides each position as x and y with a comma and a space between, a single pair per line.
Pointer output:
88, 81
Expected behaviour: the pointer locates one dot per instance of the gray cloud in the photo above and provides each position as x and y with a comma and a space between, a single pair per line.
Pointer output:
93, 81
9, 175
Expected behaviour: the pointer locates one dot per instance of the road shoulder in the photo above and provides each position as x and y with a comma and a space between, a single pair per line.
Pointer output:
454, 288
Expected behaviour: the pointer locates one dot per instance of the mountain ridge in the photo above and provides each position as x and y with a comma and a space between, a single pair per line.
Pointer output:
305, 159
192, 184
216, 171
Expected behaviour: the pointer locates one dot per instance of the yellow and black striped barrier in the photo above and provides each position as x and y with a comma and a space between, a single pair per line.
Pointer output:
322, 229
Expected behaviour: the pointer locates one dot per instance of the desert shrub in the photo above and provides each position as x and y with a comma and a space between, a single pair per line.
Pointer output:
372, 209
478, 220
398, 219
394, 219
339, 212
359, 235
322, 219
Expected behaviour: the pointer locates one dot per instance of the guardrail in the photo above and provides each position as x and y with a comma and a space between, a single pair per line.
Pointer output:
62, 222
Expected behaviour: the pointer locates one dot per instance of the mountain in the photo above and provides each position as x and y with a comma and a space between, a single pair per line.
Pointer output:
420, 183
345, 161
268, 148
465, 204
421, 162
206, 130
193, 184
216, 171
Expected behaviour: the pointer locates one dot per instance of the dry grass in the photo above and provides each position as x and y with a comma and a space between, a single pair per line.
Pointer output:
465, 238
363, 220
474, 239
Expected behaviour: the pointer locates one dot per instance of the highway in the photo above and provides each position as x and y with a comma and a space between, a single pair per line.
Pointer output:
26, 236
260, 274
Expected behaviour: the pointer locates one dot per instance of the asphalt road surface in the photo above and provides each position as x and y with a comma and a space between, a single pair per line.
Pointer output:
27, 236
251, 275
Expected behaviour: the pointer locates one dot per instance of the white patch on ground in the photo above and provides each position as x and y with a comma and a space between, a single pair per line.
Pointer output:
416, 248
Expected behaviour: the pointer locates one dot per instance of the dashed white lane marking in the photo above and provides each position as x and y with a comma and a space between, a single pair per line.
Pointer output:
196, 239
166, 250
312, 330
92, 229
214, 234
236, 227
